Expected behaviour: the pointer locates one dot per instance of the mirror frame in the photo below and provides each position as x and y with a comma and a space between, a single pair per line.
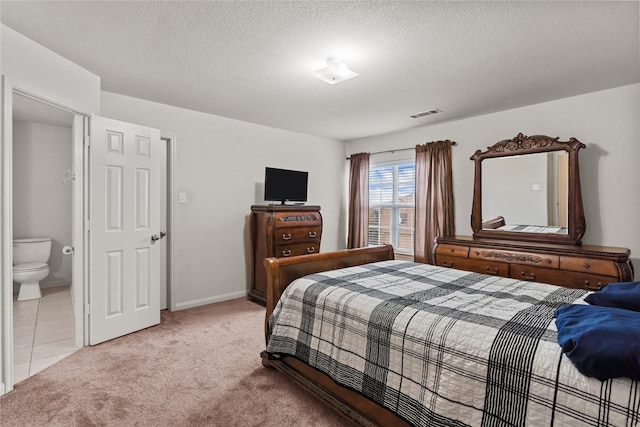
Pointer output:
523, 144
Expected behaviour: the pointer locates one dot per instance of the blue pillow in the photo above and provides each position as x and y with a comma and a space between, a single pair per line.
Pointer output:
621, 295
602, 342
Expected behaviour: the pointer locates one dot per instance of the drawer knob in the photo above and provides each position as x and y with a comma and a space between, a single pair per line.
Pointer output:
447, 263
286, 253
311, 250
586, 265
588, 286
477, 252
530, 277
489, 271
452, 250
286, 236
548, 261
312, 234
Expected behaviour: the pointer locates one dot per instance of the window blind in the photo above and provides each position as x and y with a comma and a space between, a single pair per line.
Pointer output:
392, 205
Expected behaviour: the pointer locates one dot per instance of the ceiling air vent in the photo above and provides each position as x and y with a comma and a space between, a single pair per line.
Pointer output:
426, 113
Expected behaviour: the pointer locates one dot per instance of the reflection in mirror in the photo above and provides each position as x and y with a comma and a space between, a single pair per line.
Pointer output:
526, 193
530, 191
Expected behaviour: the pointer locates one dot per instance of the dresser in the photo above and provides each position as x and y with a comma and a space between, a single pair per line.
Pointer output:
573, 266
281, 231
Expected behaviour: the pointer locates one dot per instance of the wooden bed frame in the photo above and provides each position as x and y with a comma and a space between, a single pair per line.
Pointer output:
493, 223
280, 273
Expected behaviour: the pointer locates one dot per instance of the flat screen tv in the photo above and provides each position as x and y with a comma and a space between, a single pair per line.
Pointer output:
283, 185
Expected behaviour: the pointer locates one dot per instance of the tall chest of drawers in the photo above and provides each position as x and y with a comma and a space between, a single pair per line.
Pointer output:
281, 231
573, 266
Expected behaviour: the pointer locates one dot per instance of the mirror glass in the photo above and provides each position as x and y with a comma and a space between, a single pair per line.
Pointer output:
528, 188
526, 193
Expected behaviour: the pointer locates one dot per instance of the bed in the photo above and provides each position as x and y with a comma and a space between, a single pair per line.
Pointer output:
498, 223
545, 229
464, 349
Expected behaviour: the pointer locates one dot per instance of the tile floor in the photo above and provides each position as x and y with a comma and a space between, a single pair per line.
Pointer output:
43, 331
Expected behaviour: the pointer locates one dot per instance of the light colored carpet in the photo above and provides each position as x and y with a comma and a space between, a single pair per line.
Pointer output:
199, 367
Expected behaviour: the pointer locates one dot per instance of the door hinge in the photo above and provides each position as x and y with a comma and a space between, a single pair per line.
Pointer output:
87, 225
88, 309
87, 140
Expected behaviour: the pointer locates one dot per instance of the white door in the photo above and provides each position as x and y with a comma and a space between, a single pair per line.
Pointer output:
124, 282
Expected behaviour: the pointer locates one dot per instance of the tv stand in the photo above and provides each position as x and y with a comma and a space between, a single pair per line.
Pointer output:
281, 231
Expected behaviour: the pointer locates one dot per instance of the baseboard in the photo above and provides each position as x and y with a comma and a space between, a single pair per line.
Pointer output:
210, 300
2, 389
54, 284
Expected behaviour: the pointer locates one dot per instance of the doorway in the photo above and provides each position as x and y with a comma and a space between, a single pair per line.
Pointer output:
168, 152
44, 323
80, 270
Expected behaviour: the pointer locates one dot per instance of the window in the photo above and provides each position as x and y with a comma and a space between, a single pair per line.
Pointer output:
392, 201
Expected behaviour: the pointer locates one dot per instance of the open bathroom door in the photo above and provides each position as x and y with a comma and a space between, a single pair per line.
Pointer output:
124, 228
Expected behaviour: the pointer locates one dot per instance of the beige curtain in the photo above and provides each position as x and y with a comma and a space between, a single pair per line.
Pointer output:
358, 201
434, 197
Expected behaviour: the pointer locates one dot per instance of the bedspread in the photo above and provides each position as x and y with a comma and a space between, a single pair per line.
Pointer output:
534, 228
444, 347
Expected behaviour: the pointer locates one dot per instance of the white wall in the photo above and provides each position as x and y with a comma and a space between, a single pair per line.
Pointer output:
37, 70
41, 202
34, 68
606, 121
220, 165
514, 197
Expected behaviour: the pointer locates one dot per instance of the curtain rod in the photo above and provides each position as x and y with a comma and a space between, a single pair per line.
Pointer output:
399, 149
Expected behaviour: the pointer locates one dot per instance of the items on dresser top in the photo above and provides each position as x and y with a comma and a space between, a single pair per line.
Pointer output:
573, 266
281, 231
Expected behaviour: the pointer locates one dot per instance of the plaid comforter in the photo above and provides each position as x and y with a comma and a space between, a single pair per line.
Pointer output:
444, 347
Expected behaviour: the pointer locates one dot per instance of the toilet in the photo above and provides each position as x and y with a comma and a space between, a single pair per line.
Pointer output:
30, 258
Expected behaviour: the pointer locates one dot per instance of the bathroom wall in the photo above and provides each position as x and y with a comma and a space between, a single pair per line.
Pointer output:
41, 202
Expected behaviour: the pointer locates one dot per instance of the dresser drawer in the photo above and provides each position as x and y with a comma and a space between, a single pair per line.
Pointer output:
586, 265
515, 257
534, 274
567, 279
493, 268
574, 266
294, 249
296, 219
477, 266
278, 231
452, 250
297, 235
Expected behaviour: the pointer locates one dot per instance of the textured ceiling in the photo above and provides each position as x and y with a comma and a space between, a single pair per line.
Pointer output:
251, 60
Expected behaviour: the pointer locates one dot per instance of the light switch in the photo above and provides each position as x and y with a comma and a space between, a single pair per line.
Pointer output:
535, 187
182, 198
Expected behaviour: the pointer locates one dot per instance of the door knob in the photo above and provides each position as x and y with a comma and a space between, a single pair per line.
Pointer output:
162, 233
154, 237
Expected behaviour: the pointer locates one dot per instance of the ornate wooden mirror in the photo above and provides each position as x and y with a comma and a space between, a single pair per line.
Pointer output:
528, 188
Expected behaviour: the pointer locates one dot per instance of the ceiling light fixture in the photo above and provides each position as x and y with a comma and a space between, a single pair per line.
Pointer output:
336, 71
